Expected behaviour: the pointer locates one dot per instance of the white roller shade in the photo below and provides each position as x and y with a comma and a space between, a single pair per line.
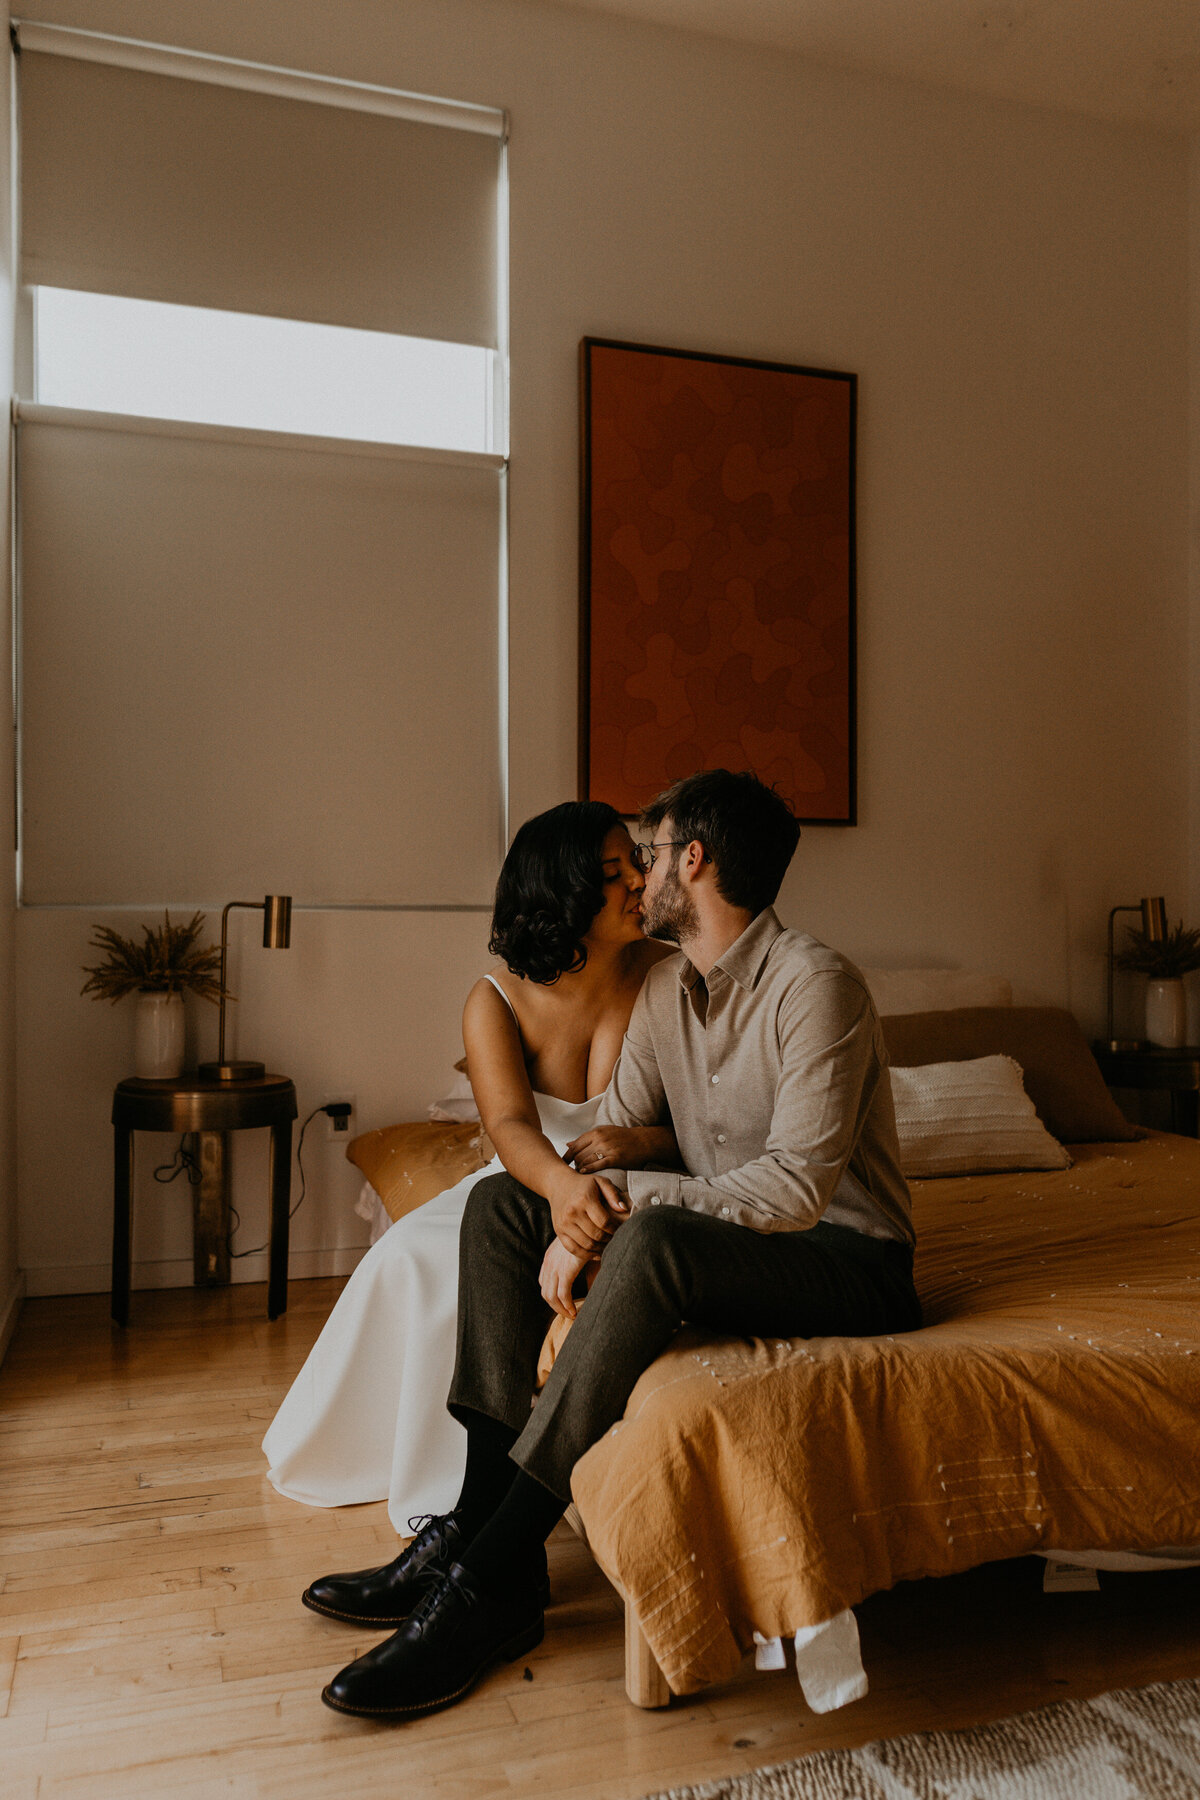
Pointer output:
163, 188
251, 669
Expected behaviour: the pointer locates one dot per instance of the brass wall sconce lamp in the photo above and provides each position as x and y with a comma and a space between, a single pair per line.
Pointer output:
1154, 925
277, 935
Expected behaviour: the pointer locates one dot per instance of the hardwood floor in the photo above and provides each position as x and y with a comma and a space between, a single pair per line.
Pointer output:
152, 1641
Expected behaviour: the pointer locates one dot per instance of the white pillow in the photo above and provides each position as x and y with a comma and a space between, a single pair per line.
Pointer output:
970, 1118
459, 1106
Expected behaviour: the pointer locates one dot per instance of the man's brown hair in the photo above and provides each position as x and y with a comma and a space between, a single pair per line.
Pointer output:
749, 832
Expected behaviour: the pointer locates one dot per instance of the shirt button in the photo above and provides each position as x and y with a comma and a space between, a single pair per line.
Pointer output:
724, 1212
720, 1137
654, 1200
715, 1080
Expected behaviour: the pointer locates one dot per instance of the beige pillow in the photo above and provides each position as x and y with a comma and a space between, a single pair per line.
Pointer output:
410, 1164
970, 1118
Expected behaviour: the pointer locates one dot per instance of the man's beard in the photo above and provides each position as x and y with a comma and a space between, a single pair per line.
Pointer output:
670, 915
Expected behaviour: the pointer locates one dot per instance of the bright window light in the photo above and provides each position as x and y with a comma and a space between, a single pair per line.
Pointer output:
102, 353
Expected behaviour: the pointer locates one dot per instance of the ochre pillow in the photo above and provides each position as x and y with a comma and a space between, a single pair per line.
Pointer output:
1061, 1075
552, 1343
410, 1164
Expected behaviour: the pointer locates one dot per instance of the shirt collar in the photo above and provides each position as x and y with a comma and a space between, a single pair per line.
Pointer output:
745, 957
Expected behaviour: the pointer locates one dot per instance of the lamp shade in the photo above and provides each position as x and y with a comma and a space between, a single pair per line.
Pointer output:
277, 921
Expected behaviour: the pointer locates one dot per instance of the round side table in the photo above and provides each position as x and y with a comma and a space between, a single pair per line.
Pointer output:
211, 1109
1150, 1066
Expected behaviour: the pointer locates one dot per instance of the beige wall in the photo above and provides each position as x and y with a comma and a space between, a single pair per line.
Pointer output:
11, 1286
1010, 286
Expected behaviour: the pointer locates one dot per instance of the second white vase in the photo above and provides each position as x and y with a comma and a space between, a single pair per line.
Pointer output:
1166, 1014
158, 1037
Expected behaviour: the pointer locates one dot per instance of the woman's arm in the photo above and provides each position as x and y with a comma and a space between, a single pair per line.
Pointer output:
625, 1147
582, 1215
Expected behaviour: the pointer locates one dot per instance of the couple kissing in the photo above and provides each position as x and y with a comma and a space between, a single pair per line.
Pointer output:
693, 1124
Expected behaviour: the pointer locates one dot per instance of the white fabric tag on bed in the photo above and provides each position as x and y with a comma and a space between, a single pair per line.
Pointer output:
768, 1653
829, 1663
1069, 1578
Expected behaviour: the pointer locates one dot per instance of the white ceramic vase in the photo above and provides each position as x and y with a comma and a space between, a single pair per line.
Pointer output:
158, 1036
1166, 1014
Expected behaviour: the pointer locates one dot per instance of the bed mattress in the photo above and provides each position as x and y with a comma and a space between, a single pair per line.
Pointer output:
1050, 1402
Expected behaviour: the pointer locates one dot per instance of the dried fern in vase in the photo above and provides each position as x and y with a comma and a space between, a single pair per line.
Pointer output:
1173, 956
169, 960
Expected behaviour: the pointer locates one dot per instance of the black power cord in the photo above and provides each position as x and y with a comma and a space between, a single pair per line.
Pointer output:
186, 1162
334, 1109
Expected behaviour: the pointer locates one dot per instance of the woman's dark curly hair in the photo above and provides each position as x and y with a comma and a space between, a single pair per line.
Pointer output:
550, 889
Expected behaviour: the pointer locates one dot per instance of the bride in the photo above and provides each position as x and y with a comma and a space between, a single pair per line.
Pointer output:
366, 1417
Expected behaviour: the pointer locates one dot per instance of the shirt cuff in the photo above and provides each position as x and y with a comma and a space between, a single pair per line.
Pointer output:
650, 1187
654, 1187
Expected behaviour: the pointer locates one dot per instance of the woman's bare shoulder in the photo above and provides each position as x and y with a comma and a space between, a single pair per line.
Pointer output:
496, 1053
490, 998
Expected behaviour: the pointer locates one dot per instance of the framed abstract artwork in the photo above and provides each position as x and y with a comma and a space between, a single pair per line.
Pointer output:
717, 576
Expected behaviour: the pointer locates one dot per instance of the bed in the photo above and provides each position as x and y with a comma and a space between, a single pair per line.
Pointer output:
1049, 1404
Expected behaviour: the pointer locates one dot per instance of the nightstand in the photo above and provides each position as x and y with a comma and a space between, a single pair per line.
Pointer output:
1150, 1066
212, 1109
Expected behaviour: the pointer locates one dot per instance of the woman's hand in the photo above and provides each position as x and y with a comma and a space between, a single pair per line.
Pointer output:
586, 1211
561, 1269
622, 1147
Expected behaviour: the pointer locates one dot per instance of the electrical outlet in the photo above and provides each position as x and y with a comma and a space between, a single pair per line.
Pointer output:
340, 1131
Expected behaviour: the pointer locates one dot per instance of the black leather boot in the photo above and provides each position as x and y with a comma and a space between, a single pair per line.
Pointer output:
387, 1596
457, 1630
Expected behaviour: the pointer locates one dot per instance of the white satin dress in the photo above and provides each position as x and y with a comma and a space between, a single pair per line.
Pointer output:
366, 1419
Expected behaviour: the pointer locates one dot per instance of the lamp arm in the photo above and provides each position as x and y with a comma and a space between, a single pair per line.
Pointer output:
257, 906
1111, 956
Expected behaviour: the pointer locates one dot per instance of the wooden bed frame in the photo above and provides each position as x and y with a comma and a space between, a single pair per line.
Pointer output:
645, 1683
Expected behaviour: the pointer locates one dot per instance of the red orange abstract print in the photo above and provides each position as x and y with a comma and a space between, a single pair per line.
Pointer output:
718, 576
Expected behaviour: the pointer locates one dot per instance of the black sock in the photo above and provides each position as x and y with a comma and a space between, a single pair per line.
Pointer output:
510, 1550
489, 1472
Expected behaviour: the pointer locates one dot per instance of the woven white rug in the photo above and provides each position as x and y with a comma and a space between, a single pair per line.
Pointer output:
1135, 1744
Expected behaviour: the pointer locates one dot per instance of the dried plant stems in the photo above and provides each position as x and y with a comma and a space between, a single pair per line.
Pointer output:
167, 961
1175, 955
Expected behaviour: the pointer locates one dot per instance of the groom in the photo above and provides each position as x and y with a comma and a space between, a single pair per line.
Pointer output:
763, 1049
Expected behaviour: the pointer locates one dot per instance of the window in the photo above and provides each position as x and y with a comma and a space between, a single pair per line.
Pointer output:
106, 353
260, 485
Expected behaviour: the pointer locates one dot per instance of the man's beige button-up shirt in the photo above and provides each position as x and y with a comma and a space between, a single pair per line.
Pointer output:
773, 1073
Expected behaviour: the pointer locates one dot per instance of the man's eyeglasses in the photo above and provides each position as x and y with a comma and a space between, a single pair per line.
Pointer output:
646, 855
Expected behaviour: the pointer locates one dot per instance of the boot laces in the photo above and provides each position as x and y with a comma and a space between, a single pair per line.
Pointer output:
429, 1529
444, 1592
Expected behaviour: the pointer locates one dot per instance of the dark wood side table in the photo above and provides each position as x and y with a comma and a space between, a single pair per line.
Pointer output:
1149, 1066
212, 1109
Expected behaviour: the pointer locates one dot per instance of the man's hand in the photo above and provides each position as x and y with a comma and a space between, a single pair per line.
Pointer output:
561, 1269
586, 1211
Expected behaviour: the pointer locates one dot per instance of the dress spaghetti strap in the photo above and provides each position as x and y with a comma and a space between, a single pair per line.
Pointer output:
512, 1009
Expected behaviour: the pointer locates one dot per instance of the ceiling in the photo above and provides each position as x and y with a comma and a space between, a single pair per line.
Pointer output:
1131, 60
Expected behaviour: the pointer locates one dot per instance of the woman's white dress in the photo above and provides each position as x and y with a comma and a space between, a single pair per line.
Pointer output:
366, 1419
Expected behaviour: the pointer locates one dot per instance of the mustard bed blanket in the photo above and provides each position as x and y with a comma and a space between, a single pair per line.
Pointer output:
1052, 1401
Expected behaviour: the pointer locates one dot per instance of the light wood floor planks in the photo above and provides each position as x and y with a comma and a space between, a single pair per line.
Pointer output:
152, 1642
